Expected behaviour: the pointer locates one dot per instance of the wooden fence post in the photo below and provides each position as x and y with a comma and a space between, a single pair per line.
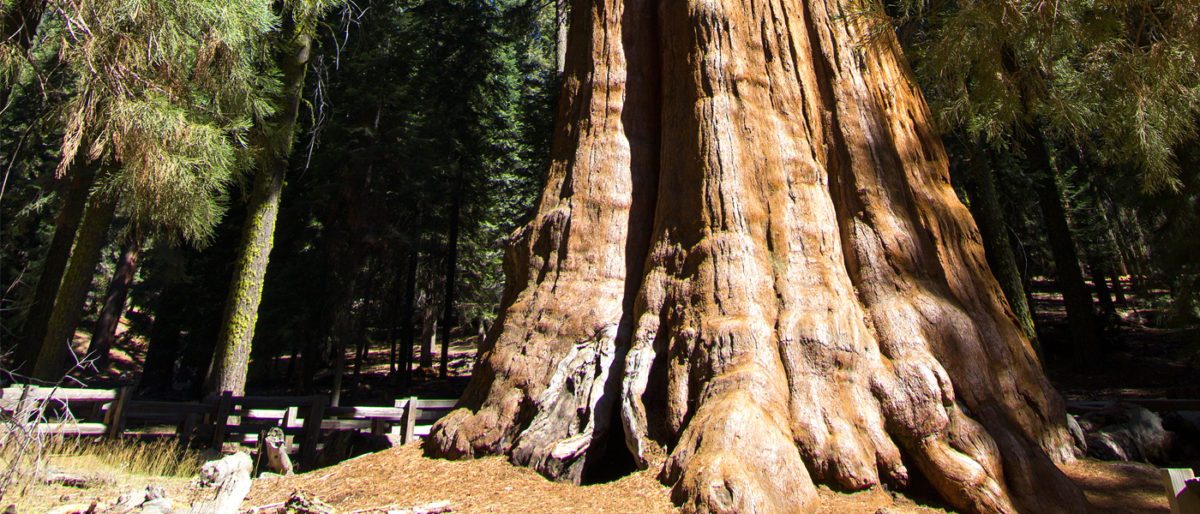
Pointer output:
1183, 490
410, 420
187, 428
289, 421
312, 431
224, 408
114, 419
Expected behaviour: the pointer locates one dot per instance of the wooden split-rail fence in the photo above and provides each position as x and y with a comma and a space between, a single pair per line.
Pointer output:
216, 420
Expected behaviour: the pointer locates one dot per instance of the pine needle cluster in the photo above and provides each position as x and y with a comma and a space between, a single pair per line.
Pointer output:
1116, 78
166, 92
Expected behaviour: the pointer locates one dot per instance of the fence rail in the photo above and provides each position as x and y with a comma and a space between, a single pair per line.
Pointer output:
218, 419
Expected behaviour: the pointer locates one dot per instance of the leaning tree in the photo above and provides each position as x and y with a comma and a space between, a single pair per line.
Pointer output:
748, 259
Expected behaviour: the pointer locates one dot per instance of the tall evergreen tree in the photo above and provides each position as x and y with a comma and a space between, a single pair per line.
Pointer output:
162, 93
273, 142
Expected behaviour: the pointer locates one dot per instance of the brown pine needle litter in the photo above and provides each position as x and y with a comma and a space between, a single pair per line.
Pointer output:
403, 477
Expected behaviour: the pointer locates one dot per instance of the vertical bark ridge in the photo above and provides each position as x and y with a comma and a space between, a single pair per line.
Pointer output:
586, 246
814, 304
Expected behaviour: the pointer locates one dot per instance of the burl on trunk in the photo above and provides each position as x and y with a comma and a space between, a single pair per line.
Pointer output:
748, 256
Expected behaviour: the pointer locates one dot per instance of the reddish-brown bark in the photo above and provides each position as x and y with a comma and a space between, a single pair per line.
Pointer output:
748, 255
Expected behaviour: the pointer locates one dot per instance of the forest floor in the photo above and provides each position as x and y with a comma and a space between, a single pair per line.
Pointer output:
1143, 361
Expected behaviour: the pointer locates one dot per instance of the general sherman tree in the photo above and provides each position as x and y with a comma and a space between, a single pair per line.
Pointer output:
748, 257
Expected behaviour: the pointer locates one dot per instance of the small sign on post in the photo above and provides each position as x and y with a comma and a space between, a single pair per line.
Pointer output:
1183, 490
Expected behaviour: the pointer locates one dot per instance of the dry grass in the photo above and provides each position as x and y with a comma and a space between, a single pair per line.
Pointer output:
164, 457
102, 468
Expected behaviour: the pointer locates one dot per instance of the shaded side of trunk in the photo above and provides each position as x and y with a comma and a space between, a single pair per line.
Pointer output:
72, 293
113, 307
232, 357
66, 224
1081, 315
989, 216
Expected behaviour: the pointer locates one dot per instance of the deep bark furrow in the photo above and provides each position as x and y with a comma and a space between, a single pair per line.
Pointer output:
814, 305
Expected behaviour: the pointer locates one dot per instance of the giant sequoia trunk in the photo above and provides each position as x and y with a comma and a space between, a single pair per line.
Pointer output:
748, 255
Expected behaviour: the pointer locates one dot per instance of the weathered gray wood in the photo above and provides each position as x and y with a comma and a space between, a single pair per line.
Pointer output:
312, 431
67, 428
276, 448
230, 476
221, 418
409, 422
115, 418
575, 408
1183, 490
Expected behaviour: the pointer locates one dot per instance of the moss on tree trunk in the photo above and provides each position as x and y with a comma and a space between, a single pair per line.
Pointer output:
66, 225
232, 357
72, 292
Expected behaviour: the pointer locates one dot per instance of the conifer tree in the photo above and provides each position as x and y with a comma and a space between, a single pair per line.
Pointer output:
273, 141
163, 91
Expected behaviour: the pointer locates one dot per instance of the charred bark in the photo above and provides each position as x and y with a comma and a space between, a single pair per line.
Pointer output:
748, 256
105, 331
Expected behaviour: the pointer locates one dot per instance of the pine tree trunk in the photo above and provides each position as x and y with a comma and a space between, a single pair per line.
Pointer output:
989, 216
407, 313
72, 293
448, 318
232, 357
428, 338
66, 224
159, 369
748, 254
1100, 284
561, 17
105, 331
1081, 315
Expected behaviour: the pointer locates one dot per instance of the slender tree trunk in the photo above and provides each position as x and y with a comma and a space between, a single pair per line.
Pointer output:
988, 214
105, 331
164, 339
448, 318
1081, 314
748, 255
561, 17
66, 224
1100, 284
1118, 288
72, 293
232, 358
339, 366
407, 313
428, 337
